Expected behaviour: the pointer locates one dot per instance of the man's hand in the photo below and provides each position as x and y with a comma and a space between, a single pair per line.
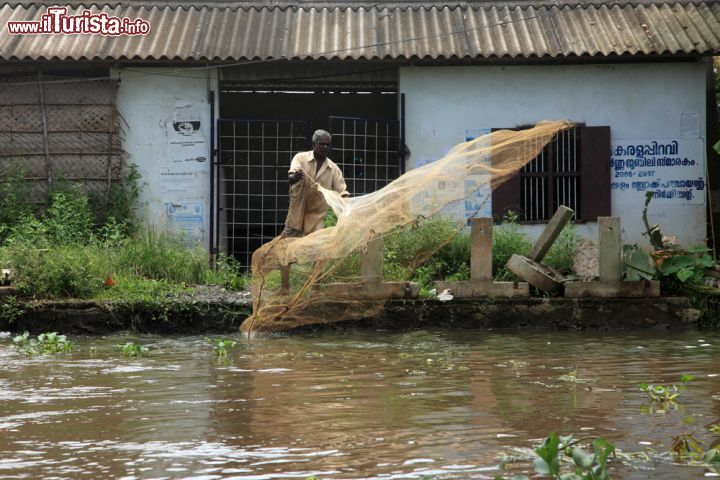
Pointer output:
295, 177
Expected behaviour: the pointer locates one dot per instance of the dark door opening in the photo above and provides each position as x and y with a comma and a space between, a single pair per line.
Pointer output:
260, 132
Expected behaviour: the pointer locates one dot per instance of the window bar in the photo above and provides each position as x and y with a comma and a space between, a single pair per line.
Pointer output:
541, 182
575, 169
247, 197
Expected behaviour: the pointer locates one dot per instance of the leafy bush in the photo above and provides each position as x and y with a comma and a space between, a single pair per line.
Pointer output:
14, 195
63, 271
507, 240
69, 218
560, 255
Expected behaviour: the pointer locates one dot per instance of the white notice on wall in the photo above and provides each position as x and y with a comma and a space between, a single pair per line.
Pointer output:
187, 147
689, 125
674, 170
187, 221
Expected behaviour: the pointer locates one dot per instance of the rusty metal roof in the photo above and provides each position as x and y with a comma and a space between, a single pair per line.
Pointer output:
469, 30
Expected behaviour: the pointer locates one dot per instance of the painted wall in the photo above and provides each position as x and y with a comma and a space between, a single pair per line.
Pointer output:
168, 137
642, 103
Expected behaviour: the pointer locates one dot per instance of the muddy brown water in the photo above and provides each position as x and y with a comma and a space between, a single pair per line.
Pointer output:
423, 404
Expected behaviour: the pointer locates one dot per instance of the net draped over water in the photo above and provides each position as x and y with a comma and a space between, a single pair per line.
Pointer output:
326, 285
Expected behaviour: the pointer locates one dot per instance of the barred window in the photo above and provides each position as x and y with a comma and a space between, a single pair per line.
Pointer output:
572, 170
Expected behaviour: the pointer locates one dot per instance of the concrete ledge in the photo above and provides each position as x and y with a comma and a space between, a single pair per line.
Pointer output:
92, 318
645, 288
368, 290
476, 289
665, 313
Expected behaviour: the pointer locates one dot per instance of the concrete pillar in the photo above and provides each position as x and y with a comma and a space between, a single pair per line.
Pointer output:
371, 262
481, 249
610, 248
551, 232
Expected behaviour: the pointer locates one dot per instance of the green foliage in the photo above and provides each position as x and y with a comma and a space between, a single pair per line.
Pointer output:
45, 344
123, 198
585, 465
155, 254
222, 346
132, 350
508, 239
427, 251
228, 273
673, 262
688, 266
64, 271
14, 195
665, 396
560, 255
330, 219
69, 218
10, 309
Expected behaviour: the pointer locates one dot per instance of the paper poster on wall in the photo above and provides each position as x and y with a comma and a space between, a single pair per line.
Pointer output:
180, 181
187, 221
187, 148
689, 125
674, 170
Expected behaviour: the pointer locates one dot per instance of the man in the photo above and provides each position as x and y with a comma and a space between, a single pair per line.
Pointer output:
307, 205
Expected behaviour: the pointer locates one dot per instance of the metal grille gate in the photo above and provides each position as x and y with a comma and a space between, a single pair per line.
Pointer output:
367, 151
253, 159
252, 197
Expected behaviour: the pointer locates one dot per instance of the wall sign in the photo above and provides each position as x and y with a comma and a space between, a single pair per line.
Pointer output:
674, 170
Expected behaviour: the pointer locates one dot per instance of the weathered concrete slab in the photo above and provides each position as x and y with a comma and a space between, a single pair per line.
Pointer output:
7, 291
370, 290
550, 233
537, 275
617, 288
476, 289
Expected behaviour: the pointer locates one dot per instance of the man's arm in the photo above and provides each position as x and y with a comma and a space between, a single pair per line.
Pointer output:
296, 173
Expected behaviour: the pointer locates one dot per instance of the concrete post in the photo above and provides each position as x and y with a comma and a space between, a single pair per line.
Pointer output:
551, 232
481, 249
610, 248
371, 262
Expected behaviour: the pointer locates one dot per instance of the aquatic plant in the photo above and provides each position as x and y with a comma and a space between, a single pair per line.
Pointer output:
686, 445
583, 465
221, 347
132, 350
665, 394
45, 344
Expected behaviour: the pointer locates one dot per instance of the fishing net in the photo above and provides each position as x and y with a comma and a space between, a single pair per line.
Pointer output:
326, 278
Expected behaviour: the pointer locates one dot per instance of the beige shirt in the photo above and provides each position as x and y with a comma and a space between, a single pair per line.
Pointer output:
307, 205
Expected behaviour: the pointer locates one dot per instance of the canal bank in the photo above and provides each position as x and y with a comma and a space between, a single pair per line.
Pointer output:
215, 310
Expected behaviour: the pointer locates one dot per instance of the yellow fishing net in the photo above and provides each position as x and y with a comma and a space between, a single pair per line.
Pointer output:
326, 284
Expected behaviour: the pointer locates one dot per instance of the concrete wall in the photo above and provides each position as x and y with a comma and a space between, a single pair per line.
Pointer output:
642, 103
168, 138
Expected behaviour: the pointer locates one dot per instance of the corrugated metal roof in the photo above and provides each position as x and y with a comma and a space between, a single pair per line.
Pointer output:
221, 34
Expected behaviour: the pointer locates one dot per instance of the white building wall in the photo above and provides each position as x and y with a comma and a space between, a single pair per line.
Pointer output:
167, 115
640, 102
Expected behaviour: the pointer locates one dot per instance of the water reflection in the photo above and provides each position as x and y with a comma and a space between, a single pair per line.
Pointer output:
353, 405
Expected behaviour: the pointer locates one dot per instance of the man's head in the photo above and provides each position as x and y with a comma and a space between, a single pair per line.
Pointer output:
321, 141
